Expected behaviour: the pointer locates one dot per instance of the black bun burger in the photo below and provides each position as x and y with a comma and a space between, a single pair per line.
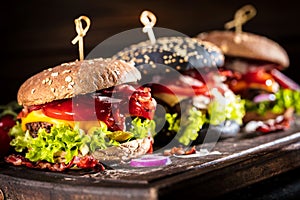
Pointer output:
182, 73
254, 63
75, 109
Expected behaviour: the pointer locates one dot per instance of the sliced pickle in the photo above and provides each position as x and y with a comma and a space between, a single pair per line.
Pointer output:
120, 136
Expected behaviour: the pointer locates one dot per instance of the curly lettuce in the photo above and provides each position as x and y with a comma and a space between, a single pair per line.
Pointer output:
193, 125
142, 128
64, 142
285, 98
216, 113
231, 110
61, 145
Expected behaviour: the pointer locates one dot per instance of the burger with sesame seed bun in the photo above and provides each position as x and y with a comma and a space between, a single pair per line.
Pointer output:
183, 75
79, 114
254, 63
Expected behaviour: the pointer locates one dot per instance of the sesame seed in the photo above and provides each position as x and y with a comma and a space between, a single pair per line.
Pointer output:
54, 74
66, 71
146, 57
32, 91
65, 64
50, 82
52, 90
50, 69
68, 79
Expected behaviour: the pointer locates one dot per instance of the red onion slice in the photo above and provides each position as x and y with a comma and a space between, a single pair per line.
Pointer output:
150, 161
284, 81
264, 97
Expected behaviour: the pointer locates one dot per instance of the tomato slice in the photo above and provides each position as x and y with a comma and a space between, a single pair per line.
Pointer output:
182, 86
59, 110
256, 78
76, 109
111, 110
180, 90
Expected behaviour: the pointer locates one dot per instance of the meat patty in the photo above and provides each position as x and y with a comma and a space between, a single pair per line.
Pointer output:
35, 126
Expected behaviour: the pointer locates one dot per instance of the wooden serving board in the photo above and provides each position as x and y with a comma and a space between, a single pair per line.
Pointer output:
242, 161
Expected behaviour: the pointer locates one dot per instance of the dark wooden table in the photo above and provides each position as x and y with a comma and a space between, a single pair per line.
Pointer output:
242, 162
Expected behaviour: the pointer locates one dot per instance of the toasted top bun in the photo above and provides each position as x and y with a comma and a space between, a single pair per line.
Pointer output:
180, 53
70, 79
247, 45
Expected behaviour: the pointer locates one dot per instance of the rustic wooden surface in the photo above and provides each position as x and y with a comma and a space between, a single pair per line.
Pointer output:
242, 162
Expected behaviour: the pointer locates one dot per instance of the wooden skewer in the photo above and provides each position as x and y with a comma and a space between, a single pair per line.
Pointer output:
241, 16
81, 33
148, 19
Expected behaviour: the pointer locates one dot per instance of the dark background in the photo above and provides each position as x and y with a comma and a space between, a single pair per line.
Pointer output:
37, 34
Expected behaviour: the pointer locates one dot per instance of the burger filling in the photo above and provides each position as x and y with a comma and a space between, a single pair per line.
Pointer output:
269, 95
194, 102
63, 130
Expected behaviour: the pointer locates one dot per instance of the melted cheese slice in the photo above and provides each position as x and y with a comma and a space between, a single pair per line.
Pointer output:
39, 116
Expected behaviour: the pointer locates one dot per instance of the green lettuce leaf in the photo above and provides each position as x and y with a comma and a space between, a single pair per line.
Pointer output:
12, 108
190, 128
231, 110
217, 114
174, 123
60, 146
285, 98
142, 128
64, 142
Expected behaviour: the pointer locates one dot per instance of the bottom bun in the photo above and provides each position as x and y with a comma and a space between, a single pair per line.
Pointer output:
125, 151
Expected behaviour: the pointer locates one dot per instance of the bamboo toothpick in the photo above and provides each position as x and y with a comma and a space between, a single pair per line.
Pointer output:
81, 33
241, 16
148, 19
